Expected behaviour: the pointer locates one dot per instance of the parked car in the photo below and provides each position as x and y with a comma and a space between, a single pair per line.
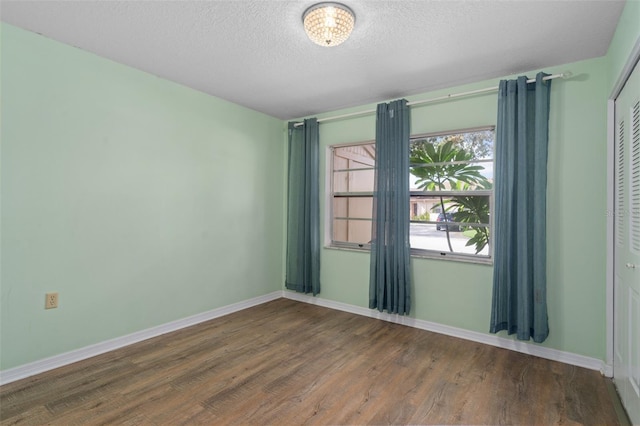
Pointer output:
449, 218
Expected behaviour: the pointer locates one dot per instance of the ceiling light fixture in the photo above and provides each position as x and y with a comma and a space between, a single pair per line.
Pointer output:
328, 24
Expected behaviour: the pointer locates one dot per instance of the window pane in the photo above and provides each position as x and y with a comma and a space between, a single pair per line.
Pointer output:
352, 231
354, 157
352, 207
458, 220
434, 237
463, 177
464, 209
352, 219
457, 161
353, 181
428, 207
478, 143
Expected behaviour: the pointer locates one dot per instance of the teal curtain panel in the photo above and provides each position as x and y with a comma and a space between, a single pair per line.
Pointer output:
389, 280
303, 209
519, 302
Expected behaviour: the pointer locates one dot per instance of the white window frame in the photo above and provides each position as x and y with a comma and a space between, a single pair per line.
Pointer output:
415, 252
330, 243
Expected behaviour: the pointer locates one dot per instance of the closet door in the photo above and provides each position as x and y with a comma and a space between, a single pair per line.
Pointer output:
627, 247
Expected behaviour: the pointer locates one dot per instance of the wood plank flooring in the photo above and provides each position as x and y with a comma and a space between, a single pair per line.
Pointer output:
286, 363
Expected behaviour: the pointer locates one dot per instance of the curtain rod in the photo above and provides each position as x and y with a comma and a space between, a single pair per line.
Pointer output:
565, 75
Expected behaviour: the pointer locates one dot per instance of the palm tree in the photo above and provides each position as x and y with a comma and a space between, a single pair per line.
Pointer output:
444, 166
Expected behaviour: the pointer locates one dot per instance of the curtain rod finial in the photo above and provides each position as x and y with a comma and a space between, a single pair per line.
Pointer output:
567, 75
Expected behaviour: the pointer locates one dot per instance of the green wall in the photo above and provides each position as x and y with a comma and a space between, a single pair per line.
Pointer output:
139, 200
626, 35
459, 294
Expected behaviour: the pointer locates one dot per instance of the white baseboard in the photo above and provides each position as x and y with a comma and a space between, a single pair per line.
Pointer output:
40, 366
488, 339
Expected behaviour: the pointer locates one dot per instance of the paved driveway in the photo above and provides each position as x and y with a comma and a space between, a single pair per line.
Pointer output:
425, 236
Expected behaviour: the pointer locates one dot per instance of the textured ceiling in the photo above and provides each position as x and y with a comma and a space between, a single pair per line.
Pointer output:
255, 53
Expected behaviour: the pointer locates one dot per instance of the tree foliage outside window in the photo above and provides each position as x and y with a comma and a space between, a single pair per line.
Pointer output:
471, 210
454, 167
478, 143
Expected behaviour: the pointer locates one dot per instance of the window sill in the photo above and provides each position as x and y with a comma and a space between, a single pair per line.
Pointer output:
448, 257
352, 249
452, 257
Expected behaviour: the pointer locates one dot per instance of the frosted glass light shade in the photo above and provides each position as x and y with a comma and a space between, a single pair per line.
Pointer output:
328, 24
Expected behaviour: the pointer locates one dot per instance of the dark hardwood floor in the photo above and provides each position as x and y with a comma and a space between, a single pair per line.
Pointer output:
286, 362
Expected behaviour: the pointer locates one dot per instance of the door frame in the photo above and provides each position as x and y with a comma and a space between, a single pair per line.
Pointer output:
624, 75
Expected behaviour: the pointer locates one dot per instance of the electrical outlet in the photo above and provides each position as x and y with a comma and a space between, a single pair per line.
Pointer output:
51, 301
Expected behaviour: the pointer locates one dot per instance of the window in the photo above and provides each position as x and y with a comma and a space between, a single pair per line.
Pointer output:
352, 183
451, 194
